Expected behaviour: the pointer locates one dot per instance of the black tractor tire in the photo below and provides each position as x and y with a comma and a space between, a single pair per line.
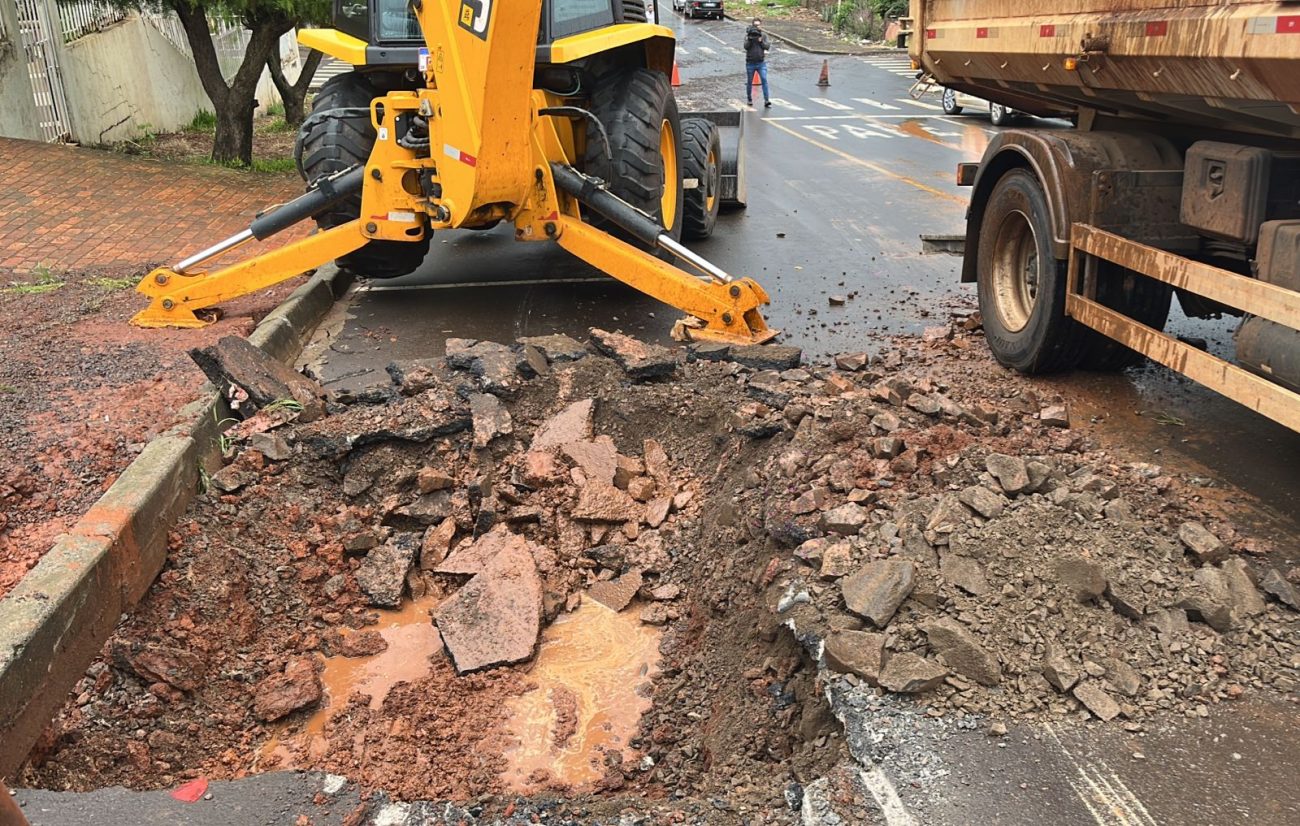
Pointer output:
634, 105
701, 163
1021, 284
1142, 299
337, 135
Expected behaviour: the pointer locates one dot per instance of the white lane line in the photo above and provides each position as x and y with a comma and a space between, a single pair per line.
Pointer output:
918, 103
785, 104
850, 117
877, 104
1106, 797
706, 50
832, 104
715, 37
683, 50
882, 789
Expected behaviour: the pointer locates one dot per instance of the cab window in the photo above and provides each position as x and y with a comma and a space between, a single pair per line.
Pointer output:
574, 16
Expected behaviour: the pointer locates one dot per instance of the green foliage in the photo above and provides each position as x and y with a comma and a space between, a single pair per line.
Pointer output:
291, 405
46, 282
204, 121
275, 110
113, 284
274, 165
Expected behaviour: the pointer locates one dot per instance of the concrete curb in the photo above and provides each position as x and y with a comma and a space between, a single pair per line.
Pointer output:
54, 622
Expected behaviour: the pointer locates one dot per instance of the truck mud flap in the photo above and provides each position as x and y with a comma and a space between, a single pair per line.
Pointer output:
731, 131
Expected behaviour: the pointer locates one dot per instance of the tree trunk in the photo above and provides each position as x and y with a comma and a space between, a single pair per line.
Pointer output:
294, 94
233, 103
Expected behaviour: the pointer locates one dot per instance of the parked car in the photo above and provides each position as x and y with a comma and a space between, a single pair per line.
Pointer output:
954, 102
699, 8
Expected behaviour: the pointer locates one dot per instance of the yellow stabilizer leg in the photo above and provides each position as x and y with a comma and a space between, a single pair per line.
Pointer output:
174, 297
729, 312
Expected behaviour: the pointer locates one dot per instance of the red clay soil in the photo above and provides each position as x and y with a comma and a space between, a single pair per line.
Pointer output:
81, 391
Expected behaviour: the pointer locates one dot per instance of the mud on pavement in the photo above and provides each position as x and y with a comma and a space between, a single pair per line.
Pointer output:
586, 579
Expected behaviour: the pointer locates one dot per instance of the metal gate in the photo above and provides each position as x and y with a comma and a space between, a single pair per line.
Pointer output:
43, 68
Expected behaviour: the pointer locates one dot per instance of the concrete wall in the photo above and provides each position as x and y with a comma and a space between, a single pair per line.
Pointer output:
18, 116
127, 80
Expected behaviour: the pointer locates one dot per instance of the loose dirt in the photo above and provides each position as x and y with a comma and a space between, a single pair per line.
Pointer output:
924, 523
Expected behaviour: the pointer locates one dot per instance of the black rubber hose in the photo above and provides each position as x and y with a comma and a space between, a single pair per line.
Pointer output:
326, 193
591, 192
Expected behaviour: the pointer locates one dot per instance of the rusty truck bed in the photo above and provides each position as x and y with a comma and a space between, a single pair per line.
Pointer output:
1213, 64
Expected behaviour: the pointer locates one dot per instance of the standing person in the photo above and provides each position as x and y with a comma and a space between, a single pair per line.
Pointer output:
756, 47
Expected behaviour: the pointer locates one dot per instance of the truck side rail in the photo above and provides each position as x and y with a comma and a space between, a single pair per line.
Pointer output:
1270, 301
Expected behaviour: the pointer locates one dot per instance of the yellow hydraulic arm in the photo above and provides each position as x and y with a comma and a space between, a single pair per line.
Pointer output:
476, 144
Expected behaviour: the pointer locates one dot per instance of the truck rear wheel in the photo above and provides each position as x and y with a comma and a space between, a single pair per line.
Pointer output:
637, 109
337, 135
702, 165
1021, 284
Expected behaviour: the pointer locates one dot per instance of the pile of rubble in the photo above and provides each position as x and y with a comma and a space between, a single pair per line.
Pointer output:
922, 522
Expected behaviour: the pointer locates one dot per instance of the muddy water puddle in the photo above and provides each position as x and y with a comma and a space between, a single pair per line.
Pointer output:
412, 640
592, 676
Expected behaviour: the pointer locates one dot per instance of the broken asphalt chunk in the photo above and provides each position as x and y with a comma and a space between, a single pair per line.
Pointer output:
639, 360
262, 379
495, 618
572, 424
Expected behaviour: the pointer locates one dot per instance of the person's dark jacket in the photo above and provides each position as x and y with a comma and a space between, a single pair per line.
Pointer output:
756, 45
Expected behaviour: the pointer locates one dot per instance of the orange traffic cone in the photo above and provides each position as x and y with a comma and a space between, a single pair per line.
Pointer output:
677, 76
825, 79
756, 80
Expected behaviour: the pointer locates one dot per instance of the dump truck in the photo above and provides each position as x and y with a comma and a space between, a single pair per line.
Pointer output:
1180, 178
556, 116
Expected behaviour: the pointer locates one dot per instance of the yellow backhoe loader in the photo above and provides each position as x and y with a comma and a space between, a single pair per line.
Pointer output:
555, 115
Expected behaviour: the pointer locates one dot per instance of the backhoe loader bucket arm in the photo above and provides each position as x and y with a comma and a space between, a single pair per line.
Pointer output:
175, 293
727, 309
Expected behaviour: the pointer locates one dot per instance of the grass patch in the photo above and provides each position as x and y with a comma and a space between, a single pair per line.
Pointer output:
772, 8
113, 283
8, 388
276, 165
280, 125
46, 282
204, 121
275, 110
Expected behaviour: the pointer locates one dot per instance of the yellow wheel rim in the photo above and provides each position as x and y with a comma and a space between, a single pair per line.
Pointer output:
710, 196
668, 156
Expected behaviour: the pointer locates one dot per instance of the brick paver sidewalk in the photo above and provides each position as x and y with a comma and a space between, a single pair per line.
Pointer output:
67, 208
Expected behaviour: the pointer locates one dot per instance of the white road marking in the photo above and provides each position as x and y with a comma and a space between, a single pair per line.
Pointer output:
882, 789
706, 50
850, 117
866, 132
824, 131
715, 37
918, 103
785, 104
832, 104
877, 104
1106, 797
